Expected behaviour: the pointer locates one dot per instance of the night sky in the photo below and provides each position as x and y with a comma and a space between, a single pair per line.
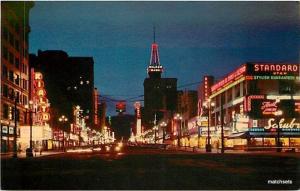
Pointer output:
194, 38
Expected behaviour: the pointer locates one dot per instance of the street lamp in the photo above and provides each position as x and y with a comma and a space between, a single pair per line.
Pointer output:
208, 104
163, 125
63, 120
178, 117
278, 114
30, 110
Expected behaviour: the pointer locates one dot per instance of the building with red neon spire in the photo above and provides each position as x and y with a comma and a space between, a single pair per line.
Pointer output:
160, 94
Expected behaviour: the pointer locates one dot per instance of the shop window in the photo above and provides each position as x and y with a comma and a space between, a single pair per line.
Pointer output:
5, 111
11, 93
229, 95
11, 39
253, 88
11, 58
4, 72
17, 29
244, 88
5, 91
25, 69
17, 63
17, 45
5, 53
5, 33
286, 87
237, 91
17, 79
11, 75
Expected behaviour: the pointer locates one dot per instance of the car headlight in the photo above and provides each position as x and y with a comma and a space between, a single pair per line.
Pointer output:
117, 148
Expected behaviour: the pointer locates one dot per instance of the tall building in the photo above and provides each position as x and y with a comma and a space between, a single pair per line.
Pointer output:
160, 94
69, 82
258, 105
14, 68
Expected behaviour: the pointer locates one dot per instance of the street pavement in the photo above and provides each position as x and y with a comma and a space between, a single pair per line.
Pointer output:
156, 169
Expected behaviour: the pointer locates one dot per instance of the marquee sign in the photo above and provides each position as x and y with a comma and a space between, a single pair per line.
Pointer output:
273, 71
40, 98
276, 69
260, 71
230, 78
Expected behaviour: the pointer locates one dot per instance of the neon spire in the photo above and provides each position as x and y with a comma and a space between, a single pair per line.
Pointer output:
154, 68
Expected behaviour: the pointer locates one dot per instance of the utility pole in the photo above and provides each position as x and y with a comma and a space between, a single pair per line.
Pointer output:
222, 125
155, 128
15, 129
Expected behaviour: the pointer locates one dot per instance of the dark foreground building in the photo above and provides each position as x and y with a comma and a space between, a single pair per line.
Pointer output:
69, 82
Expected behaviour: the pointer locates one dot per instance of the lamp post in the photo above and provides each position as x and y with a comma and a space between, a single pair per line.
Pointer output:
30, 110
278, 114
15, 128
208, 104
63, 120
163, 125
178, 117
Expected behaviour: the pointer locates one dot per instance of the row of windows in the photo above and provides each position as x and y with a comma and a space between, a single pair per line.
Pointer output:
12, 59
9, 112
10, 93
15, 78
9, 37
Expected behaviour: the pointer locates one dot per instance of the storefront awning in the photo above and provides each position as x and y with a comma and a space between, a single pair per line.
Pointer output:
241, 135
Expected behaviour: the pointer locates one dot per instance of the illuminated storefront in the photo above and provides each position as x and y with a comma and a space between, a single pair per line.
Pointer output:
39, 110
248, 99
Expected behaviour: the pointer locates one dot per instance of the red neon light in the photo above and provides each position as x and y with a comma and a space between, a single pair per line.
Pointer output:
230, 78
276, 67
297, 106
269, 107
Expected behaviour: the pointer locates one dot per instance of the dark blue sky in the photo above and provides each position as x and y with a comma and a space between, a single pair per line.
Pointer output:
195, 38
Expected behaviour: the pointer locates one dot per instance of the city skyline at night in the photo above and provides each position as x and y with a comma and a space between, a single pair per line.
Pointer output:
192, 36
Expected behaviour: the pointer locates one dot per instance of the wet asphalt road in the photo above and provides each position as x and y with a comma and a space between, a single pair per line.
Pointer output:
154, 169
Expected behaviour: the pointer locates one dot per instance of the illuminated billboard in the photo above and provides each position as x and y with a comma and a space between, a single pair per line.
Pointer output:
266, 108
121, 106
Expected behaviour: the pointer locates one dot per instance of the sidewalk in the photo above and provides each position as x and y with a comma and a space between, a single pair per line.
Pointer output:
23, 154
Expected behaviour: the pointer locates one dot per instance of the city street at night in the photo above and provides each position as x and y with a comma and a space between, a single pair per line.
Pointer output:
141, 95
140, 168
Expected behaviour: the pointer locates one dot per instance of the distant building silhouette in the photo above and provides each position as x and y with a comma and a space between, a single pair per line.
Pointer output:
69, 82
160, 94
122, 124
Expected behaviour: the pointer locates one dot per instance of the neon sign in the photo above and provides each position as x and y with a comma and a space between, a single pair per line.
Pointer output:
40, 98
276, 69
230, 78
269, 107
137, 106
282, 124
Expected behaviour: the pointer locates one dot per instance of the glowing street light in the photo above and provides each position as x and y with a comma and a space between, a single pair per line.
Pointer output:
29, 109
278, 114
178, 118
208, 104
163, 125
63, 120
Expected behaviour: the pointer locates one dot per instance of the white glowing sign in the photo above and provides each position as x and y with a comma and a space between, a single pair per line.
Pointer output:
272, 123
